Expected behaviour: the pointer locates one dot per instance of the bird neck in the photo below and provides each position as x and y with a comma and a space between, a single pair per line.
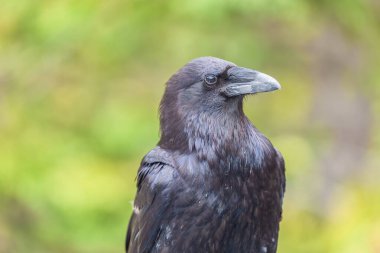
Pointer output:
217, 136
231, 139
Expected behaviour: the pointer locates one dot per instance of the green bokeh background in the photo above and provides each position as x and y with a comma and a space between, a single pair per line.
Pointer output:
80, 84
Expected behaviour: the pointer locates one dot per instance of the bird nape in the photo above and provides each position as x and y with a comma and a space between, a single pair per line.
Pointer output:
213, 183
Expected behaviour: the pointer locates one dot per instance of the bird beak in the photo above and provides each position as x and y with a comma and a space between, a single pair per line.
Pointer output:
244, 81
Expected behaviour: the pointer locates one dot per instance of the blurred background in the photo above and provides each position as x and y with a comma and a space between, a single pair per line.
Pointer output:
80, 85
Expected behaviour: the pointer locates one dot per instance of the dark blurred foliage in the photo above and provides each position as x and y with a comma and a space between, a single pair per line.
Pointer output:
80, 84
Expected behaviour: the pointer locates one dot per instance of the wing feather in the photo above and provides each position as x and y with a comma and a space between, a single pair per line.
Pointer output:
154, 196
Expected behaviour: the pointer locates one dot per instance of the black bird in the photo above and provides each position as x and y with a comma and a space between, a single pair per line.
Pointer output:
214, 183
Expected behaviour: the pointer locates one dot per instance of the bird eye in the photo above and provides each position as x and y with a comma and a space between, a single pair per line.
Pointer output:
211, 79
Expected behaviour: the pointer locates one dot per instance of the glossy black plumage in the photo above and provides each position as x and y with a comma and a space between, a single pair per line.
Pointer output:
214, 183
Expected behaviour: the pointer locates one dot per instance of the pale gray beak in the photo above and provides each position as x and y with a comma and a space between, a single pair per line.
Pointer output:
242, 81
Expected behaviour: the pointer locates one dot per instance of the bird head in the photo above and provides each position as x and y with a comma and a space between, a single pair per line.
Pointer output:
208, 86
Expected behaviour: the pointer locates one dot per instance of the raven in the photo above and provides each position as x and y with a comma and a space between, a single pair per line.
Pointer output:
213, 183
